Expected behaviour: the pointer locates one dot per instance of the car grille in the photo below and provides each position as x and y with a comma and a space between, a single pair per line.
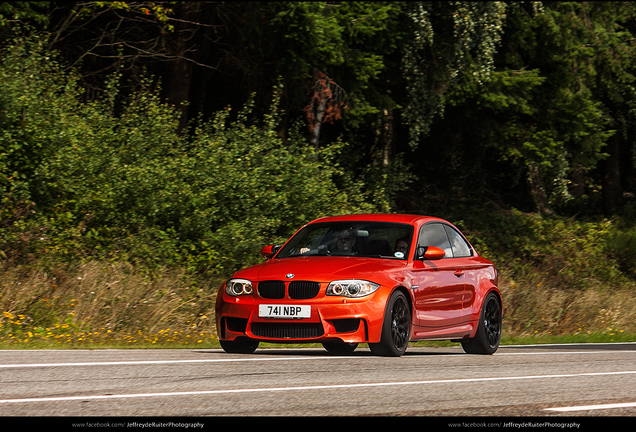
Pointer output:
297, 290
300, 290
271, 289
287, 330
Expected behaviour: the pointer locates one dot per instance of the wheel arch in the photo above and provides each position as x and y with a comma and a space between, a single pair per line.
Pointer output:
475, 310
486, 287
407, 293
496, 291
479, 305
411, 303
375, 327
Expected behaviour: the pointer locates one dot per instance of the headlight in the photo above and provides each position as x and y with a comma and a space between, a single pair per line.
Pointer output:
237, 287
351, 288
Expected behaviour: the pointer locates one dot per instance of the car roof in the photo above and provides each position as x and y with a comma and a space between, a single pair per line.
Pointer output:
381, 217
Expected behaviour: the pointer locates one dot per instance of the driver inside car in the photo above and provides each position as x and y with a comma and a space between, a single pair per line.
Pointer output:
346, 241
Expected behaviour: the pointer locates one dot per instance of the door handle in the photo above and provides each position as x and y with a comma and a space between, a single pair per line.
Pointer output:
459, 273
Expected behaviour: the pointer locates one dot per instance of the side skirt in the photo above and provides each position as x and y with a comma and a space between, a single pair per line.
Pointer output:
459, 331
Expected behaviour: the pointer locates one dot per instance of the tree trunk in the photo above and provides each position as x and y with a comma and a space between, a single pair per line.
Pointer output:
178, 88
320, 112
183, 46
537, 192
387, 138
612, 191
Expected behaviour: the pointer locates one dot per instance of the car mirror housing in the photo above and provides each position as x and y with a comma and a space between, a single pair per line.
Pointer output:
270, 250
430, 253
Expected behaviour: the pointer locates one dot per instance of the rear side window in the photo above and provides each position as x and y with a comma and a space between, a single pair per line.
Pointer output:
459, 245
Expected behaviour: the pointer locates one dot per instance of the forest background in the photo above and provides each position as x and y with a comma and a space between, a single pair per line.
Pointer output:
150, 149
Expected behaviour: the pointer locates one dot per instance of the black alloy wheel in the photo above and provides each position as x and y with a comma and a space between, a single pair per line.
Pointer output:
396, 329
488, 336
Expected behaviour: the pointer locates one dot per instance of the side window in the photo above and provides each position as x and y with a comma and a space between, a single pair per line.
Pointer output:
435, 235
459, 245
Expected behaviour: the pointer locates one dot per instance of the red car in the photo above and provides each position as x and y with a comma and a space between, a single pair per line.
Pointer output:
383, 280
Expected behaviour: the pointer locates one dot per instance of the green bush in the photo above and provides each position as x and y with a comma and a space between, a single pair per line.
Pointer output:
117, 181
622, 246
570, 253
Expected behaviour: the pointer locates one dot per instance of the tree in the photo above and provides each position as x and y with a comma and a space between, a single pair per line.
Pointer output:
325, 104
101, 38
79, 178
585, 54
449, 39
561, 87
610, 34
16, 14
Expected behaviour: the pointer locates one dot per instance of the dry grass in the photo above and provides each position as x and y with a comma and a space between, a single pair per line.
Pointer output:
103, 304
540, 305
100, 303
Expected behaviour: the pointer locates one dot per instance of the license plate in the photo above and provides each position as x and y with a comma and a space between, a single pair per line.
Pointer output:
284, 311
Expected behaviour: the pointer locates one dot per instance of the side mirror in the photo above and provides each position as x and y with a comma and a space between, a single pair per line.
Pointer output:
269, 251
430, 253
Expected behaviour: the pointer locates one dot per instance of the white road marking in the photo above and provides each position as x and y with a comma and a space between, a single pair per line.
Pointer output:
593, 407
290, 389
257, 359
589, 344
563, 352
150, 362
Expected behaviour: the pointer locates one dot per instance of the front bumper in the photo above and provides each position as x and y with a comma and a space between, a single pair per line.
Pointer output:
332, 318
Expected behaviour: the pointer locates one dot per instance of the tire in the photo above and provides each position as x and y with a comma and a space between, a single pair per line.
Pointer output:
488, 335
239, 346
396, 328
339, 347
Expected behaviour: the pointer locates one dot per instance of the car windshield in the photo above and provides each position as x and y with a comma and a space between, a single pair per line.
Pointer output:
364, 239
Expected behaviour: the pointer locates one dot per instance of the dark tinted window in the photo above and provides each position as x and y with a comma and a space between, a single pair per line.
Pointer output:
366, 239
435, 235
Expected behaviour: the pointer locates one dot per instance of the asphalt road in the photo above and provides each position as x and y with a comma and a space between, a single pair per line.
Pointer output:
539, 381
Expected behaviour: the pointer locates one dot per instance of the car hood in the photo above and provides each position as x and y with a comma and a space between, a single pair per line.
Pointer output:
321, 269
